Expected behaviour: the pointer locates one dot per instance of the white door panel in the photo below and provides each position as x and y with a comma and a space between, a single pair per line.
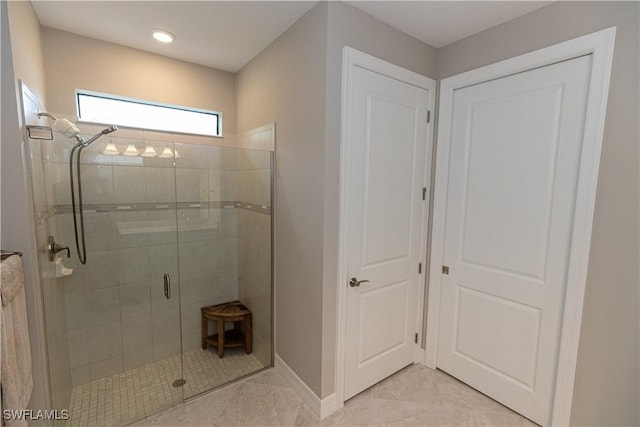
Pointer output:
386, 173
515, 156
380, 333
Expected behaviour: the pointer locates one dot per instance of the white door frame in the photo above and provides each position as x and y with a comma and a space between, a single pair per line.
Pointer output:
352, 58
600, 46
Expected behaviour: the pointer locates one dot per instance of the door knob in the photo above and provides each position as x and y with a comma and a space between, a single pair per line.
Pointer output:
355, 282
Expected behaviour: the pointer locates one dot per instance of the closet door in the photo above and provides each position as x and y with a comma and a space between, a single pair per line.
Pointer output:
387, 163
515, 155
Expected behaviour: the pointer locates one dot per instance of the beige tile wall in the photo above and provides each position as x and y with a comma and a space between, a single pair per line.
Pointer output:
112, 311
254, 246
117, 315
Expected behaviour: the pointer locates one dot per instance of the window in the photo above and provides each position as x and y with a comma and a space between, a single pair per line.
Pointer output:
110, 109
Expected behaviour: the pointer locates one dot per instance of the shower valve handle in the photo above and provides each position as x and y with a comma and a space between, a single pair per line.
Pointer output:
53, 248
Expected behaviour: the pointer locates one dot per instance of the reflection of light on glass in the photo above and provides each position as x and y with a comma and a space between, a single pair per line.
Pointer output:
149, 152
176, 153
111, 150
167, 153
130, 151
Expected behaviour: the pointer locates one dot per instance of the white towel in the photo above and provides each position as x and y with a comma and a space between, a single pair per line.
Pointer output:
15, 372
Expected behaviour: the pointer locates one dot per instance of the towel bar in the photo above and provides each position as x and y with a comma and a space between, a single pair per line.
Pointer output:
6, 254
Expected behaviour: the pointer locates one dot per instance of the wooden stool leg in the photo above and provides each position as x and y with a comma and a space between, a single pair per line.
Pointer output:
220, 337
205, 331
248, 331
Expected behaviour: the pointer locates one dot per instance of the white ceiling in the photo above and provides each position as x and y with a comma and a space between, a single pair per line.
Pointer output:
228, 34
219, 34
439, 23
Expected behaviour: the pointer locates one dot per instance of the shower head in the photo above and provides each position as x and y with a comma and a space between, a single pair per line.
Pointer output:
63, 126
66, 128
70, 130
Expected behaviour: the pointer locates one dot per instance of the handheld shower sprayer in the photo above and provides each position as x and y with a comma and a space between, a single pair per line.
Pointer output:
98, 135
70, 130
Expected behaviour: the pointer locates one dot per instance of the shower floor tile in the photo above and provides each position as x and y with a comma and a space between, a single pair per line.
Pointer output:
125, 397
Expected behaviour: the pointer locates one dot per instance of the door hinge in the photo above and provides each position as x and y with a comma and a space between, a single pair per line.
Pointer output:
445, 269
420, 268
424, 193
428, 116
416, 339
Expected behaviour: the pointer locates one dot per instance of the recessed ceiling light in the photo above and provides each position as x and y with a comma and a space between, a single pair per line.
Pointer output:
163, 36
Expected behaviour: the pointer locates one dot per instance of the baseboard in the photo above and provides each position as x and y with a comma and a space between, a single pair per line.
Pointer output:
328, 406
321, 407
306, 394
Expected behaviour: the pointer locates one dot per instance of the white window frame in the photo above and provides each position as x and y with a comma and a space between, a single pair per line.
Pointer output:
216, 115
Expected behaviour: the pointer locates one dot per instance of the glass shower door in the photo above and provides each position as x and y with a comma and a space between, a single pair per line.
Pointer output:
224, 244
206, 246
145, 220
170, 229
121, 311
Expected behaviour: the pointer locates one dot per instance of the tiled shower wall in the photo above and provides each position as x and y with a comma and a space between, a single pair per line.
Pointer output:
253, 180
117, 317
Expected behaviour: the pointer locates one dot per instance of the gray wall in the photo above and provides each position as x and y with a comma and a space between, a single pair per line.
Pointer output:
286, 84
606, 387
26, 42
347, 26
75, 62
21, 59
296, 82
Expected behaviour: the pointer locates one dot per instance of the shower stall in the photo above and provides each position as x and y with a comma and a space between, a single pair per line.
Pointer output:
171, 226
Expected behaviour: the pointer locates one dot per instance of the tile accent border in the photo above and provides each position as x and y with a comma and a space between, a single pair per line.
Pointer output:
320, 407
43, 216
253, 207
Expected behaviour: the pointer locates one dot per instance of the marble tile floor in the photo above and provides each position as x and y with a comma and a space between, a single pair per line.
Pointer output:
137, 393
415, 396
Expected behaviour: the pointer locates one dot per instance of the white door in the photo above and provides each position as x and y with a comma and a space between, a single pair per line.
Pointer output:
387, 171
515, 156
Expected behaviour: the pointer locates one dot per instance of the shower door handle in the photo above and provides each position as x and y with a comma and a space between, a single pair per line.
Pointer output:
167, 286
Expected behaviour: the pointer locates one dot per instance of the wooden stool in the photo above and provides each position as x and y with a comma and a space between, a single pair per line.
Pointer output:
232, 311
